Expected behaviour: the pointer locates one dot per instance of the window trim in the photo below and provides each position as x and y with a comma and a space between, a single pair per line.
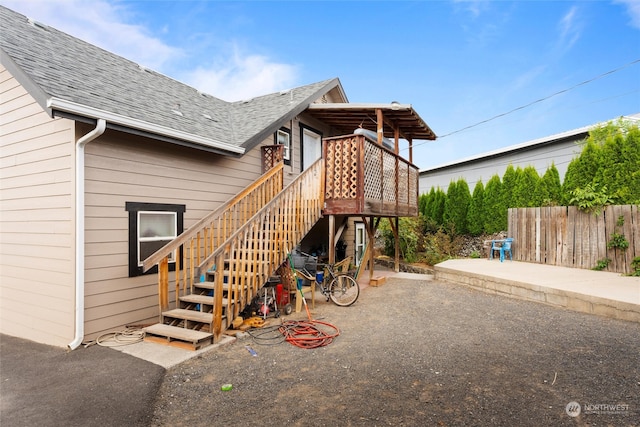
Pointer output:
286, 152
359, 225
134, 208
304, 127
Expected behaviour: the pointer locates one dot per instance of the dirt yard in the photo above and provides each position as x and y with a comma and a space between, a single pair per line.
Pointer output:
419, 353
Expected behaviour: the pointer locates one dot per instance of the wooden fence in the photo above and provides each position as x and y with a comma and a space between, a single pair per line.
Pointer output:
566, 236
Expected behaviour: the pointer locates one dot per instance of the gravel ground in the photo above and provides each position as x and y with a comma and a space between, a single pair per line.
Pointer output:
418, 353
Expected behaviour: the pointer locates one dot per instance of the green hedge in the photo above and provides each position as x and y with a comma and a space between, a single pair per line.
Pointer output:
607, 171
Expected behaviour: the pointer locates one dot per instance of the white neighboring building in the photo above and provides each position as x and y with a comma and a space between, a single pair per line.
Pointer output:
558, 149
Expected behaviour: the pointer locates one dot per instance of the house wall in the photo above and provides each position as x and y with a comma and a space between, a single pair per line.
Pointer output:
37, 292
37, 248
541, 157
123, 168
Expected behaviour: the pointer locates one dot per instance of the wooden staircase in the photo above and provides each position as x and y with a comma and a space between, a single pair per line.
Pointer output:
249, 244
190, 325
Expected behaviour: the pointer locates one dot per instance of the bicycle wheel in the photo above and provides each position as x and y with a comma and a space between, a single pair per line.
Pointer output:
344, 290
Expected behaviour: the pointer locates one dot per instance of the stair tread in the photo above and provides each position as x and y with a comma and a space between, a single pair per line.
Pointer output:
212, 285
177, 332
196, 316
201, 299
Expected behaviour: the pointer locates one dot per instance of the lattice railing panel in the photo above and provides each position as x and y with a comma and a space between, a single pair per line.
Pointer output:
342, 167
389, 172
271, 156
389, 183
372, 172
403, 184
412, 192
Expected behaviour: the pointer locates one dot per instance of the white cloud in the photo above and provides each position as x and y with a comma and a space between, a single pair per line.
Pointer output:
112, 26
633, 9
570, 29
241, 77
473, 7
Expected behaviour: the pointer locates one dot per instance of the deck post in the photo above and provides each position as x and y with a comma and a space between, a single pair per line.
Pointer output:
332, 239
395, 227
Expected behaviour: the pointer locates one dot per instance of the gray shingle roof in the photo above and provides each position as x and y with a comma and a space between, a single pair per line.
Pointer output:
58, 66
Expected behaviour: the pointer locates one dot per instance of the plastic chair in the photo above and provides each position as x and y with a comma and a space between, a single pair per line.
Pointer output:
496, 245
506, 247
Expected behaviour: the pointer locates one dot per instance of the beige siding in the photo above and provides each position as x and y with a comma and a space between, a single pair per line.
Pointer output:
37, 224
36, 220
121, 168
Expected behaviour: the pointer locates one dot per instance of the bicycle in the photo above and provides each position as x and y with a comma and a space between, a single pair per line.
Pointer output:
342, 289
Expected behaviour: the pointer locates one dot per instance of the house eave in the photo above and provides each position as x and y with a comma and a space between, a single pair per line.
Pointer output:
131, 125
298, 109
25, 81
349, 116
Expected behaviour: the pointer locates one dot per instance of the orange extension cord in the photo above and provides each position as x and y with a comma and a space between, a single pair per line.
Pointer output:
308, 333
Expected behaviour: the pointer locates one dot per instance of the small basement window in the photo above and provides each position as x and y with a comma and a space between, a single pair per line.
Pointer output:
151, 226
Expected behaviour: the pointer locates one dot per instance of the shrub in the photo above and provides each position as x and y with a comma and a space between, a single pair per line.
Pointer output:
441, 246
476, 214
457, 205
635, 266
408, 237
602, 264
590, 199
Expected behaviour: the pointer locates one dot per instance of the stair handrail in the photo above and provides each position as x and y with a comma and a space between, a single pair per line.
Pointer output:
284, 221
192, 231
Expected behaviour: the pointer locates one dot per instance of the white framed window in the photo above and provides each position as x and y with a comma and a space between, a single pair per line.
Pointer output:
283, 137
155, 229
151, 226
361, 242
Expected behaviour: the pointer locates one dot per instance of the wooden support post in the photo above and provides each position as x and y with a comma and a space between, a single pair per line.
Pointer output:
332, 239
380, 129
163, 283
410, 150
395, 224
396, 137
371, 234
217, 297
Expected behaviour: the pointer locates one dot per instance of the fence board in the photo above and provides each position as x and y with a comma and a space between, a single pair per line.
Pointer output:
530, 235
571, 231
635, 227
602, 242
562, 236
627, 231
609, 230
565, 236
593, 241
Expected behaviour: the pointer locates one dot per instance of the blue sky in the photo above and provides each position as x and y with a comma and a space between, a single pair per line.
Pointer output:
457, 62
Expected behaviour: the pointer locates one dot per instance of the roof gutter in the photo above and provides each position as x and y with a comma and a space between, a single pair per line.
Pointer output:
128, 122
79, 177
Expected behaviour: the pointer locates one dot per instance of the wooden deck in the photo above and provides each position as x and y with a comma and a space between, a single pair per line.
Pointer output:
364, 178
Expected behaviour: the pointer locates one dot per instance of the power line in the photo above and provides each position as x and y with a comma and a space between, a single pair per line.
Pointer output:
541, 99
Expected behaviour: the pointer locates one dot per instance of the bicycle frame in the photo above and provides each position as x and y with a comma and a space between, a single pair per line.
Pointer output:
338, 287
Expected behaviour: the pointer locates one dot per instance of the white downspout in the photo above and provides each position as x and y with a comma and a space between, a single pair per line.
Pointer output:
79, 176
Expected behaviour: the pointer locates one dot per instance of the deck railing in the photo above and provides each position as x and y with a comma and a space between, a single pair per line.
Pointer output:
365, 178
203, 238
254, 251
